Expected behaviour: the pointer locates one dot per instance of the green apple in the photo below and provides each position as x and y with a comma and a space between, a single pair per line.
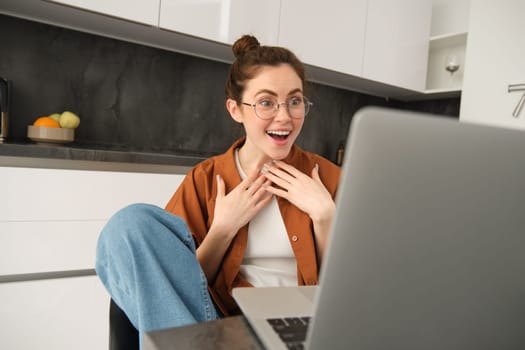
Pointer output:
55, 117
69, 120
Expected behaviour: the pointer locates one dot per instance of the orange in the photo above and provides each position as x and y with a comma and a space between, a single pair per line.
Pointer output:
46, 122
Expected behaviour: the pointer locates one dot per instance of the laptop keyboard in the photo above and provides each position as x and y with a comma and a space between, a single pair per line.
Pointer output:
292, 330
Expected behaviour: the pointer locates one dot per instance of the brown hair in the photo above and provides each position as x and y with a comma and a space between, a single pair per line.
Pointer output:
249, 57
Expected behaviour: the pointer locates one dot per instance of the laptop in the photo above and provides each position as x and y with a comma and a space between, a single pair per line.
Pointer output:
427, 248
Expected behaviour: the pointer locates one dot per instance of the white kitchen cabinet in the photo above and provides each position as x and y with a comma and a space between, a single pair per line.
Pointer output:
494, 60
50, 220
40, 245
396, 42
64, 313
37, 194
141, 11
449, 16
222, 20
380, 40
328, 34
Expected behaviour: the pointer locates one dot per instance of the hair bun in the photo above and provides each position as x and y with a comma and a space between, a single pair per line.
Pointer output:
245, 44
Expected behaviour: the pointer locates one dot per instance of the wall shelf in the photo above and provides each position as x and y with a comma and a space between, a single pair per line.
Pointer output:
448, 40
439, 80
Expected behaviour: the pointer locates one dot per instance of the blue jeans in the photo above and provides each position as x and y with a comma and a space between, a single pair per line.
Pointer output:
146, 260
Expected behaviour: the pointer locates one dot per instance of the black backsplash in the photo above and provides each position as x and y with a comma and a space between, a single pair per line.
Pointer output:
138, 98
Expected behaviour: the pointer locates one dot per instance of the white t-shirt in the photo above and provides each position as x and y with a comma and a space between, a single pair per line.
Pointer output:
269, 260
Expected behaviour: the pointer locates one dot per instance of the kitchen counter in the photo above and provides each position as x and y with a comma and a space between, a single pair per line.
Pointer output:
94, 158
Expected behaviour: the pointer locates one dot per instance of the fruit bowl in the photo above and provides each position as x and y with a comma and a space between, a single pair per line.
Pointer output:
41, 134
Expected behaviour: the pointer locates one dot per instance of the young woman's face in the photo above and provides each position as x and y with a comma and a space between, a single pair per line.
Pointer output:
269, 138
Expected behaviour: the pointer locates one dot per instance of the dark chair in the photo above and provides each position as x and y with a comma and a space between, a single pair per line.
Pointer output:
122, 334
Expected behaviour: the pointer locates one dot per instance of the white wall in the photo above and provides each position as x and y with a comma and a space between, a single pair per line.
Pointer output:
495, 58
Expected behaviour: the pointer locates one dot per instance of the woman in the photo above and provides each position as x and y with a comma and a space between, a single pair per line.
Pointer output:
257, 215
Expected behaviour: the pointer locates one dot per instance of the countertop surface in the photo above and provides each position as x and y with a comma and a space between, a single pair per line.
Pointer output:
227, 333
71, 156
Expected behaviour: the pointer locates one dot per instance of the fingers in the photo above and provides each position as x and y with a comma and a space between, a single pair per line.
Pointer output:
278, 176
284, 175
251, 189
253, 183
291, 173
278, 192
283, 170
264, 201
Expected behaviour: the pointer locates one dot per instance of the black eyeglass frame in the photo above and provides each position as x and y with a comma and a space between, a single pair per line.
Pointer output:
307, 105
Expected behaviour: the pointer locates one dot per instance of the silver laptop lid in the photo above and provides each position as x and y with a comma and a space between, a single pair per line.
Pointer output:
428, 245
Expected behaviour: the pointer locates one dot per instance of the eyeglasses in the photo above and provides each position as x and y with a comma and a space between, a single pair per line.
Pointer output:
297, 107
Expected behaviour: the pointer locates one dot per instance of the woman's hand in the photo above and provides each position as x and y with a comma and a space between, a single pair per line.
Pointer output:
232, 211
306, 193
237, 208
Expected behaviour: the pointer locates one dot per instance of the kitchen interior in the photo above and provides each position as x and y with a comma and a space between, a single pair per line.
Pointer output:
147, 81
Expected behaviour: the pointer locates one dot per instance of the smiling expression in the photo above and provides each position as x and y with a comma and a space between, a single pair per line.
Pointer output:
272, 138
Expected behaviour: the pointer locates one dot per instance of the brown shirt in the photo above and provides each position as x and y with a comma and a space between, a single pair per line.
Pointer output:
194, 201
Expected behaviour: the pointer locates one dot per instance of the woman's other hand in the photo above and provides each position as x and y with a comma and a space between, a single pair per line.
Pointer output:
307, 193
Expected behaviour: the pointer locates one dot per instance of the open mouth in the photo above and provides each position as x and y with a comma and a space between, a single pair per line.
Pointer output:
278, 134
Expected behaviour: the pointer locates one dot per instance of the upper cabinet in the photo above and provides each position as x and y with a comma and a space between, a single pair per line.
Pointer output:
140, 11
378, 47
396, 42
222, 20
328, 34
385, 41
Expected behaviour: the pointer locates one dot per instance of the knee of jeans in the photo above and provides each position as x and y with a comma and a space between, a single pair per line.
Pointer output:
126, 224
139, 222
137, 212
